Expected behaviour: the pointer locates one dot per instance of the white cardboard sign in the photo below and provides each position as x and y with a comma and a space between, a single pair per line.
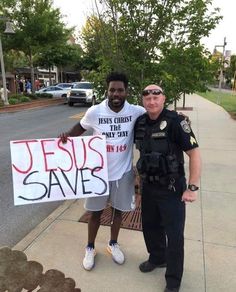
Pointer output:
47, 170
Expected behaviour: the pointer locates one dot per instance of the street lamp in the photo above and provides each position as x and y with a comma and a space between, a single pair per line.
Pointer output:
8, 30
221, 68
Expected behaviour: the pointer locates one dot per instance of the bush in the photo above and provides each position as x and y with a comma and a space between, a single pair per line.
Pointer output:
31, 95
13, 100
15, 96
19, 96
24, 99
44, 95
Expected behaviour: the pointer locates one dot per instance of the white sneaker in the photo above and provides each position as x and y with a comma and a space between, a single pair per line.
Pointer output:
117, 254
88, 261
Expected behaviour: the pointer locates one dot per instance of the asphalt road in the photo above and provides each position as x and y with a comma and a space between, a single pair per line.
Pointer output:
48, 122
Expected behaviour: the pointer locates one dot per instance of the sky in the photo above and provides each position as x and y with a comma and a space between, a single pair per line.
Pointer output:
78, 10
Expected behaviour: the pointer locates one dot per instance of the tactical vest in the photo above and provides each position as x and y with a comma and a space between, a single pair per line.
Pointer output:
161, 160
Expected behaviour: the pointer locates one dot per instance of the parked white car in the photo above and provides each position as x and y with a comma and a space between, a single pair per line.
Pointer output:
64, 85
82, 92
56, 91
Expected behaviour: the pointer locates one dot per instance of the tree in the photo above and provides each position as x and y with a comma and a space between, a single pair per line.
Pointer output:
93, 41
233, 71
37, 27
144, 34
185, 70
60, 56
230, 72
14, 59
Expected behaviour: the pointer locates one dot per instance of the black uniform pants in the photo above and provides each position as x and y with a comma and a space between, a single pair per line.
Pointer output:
163, 220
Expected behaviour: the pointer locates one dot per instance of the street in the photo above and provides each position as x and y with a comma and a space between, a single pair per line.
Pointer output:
48, 122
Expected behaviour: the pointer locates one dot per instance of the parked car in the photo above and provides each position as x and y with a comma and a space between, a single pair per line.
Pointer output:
56, 91
64, 85
82, 92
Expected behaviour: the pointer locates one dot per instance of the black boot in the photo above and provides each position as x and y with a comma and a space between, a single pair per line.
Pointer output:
146, 267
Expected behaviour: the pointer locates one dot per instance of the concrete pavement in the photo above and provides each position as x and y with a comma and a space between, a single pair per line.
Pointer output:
210, 237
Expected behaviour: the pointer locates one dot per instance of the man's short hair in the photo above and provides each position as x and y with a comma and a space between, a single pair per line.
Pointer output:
117, 76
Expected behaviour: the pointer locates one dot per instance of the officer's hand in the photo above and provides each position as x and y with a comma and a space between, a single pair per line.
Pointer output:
189, 196
63, 137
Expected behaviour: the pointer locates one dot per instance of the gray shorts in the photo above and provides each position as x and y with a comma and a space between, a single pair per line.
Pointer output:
121, 197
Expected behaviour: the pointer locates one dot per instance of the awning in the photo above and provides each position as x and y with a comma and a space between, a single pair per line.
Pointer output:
26, 70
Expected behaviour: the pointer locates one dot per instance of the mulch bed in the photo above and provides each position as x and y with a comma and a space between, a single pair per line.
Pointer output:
233, 115
130, 220
186, 108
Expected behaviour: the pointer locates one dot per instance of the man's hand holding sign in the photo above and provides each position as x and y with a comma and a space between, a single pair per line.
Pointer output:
48, 170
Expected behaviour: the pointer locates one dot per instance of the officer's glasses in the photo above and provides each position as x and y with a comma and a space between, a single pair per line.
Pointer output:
146, 92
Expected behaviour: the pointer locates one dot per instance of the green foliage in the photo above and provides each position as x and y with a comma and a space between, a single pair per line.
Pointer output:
226, 100
230, 72
38, 26
13, 100
24, 98
93, 38
185, 70
5, 6
32, 96
15, 96
44, 95
14, 59
18, 98
61, 55
153, 42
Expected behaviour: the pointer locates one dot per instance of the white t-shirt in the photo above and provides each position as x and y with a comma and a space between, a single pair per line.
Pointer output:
118, 129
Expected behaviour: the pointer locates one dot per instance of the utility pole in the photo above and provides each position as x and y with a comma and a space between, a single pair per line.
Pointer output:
4, 84
221, 76
8, 30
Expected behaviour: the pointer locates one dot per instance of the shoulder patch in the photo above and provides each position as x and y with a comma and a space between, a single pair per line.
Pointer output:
185, 126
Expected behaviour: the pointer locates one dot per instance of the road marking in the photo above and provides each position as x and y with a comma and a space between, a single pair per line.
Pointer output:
78, 116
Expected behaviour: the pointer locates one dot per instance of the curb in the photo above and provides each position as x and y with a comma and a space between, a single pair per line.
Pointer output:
26, 241
31, 105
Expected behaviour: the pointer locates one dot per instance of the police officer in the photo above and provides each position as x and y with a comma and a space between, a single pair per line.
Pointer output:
162, 136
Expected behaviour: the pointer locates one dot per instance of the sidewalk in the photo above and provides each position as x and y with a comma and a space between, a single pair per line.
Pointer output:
210, 236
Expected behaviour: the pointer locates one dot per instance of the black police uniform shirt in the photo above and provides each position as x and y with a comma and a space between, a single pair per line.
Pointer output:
180, 132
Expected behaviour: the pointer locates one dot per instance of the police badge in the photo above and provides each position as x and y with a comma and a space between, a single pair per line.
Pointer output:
163, 125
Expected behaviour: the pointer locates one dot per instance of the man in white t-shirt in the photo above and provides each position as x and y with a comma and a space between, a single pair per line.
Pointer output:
114, 118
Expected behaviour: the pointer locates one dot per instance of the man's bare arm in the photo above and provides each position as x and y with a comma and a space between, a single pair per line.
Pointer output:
194, 174
77, 130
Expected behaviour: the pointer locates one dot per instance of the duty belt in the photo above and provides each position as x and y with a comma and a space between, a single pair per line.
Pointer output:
163, 181
156, 179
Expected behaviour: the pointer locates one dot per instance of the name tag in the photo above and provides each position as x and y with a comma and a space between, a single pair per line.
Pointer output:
159, 135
